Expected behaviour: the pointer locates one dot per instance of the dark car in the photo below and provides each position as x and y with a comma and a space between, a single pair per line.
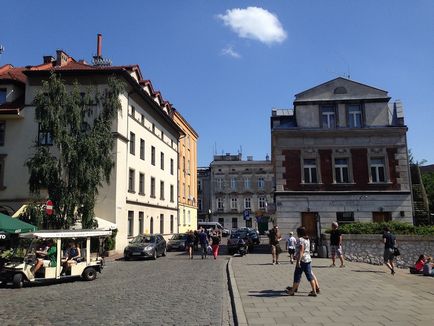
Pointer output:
146, 246
234, 242
252, 234
177, 242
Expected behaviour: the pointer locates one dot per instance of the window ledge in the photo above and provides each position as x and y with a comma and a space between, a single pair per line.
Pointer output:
141, 193
380, 183
344, 183
131, 191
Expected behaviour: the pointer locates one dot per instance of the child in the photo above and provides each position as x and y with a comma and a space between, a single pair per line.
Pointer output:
290, 244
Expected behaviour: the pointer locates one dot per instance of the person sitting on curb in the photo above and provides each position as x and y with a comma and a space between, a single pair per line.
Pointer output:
418, 266
428, 267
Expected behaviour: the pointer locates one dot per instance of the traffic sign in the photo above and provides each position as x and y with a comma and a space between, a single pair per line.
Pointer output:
246, 214
49, 207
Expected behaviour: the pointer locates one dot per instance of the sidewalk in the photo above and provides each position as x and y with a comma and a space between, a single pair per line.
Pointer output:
359, 294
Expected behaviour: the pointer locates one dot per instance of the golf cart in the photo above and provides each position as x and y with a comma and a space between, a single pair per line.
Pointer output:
21, 267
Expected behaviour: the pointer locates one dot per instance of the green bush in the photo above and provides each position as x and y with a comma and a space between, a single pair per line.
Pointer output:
377, 228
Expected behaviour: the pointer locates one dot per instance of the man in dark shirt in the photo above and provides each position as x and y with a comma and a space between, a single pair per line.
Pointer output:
275, 237
336, 245
203, 240
389, 241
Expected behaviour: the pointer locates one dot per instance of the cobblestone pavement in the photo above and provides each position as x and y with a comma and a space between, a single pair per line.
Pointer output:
359, 294
169, 291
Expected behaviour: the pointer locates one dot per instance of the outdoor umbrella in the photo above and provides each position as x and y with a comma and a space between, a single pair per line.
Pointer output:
13, 225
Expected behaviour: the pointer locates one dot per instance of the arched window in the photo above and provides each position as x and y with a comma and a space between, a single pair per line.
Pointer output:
340, 90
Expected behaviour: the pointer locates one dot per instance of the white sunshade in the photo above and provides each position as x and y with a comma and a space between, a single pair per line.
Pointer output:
66, 234
105, 225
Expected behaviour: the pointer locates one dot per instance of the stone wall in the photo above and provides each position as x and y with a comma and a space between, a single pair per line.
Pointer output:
369, 248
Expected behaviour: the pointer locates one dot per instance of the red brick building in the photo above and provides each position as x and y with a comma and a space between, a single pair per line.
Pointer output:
340, 155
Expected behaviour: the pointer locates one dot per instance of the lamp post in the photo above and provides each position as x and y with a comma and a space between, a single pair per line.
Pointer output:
209, 215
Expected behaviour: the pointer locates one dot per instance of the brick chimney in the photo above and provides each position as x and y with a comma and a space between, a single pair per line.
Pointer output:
99, 45
62, 58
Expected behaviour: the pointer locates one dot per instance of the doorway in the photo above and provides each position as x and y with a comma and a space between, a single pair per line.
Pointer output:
308, 220
378, 217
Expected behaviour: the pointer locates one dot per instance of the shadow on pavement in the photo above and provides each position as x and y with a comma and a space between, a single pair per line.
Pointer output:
267, 293
367, 271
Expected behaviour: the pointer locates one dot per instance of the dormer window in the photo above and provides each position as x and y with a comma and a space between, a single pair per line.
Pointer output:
328, 117
354, 116
340, 90
2, 95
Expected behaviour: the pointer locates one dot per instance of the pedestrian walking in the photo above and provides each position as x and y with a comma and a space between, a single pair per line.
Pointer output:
196, 240
203, 241
275, 237
189, 243
215, 244
336, 245
290, 245
303, 264
389, 241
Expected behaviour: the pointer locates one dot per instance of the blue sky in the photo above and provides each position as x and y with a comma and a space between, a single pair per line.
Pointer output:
225, 69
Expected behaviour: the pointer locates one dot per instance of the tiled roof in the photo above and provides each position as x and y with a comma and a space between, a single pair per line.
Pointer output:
10, 73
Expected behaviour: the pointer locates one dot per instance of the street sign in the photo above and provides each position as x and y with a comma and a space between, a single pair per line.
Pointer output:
49, 207
246, 214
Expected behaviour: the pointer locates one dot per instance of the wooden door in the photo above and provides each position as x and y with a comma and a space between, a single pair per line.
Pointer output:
378, 217
308, 220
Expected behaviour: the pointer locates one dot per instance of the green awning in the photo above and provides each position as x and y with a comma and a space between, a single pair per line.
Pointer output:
14, 225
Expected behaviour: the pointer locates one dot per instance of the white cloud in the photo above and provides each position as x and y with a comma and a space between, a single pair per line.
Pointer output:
255, 23
229, 51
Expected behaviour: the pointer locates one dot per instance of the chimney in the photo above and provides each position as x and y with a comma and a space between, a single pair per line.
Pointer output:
62, 58
99, 45
48, 59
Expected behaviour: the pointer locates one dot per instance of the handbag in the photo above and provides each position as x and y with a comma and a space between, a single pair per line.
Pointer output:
396, 252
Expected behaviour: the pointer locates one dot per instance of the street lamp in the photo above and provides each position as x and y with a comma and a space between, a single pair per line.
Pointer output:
209, 215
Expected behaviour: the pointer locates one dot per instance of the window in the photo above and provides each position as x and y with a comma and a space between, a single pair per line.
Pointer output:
171, 223
262, 202
261, 183
131, 176
247, 203
246, 183
141, 184
2, 95
189, 192
133, 111
249, 223
341, 170
183, 164
234, 203
199, 185
161, 190
142, 119
220, 204
377, 170
199, 204
162, 135
189, 218
151, 225
2, 133
222, 221
183, 190
219, 183
153, 128
44, 136
354, 116
234, 223
183, 217
171, 166
309, 167
234, 183
142, 149
172, 194
141, 223
152, 187
162, 160
162, 223
132, 143
345, 217
188, 167
130, 223
328, 117
152, 155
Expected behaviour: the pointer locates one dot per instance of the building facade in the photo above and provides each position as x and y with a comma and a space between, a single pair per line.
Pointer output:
142, 196
340, 155
203, 194
241, 191
187, 172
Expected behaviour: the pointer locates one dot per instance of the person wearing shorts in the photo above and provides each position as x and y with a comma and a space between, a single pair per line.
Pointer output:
291, 243
389, 241
336, 245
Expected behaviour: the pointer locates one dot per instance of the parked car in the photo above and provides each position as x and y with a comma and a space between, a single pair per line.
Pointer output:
146, 246
253, 234
234, 242
19, 269
213, 226
177, 242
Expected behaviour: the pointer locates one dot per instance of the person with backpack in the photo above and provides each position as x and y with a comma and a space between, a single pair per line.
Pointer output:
215, 244
389, 241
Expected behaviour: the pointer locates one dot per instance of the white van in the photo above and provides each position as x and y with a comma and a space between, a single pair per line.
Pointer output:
212, 226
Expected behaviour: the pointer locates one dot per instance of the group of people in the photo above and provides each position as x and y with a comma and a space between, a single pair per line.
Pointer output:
209, 242
425, 265
46, 256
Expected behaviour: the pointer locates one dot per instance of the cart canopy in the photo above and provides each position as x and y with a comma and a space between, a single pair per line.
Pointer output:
14, 225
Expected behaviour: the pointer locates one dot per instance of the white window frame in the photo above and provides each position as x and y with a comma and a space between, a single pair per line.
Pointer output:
234, 203
339, 170
234, 183
247, 183
328, 112
375, 178
355, 116
262, 200
312, 171
247, 203
261, 183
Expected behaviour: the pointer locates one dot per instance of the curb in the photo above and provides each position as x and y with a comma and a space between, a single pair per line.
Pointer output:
237, 306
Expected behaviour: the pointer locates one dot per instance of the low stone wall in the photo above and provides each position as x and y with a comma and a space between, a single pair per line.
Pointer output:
369, 248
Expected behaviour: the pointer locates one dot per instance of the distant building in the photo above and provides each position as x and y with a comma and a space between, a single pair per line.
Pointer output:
143, 194
187, 172
340, 155
241, 191
204, 194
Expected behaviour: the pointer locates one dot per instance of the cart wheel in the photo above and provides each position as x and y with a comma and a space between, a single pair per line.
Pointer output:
18, 280
89, 274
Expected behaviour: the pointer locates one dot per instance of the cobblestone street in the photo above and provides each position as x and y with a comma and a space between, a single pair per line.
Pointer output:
171, 290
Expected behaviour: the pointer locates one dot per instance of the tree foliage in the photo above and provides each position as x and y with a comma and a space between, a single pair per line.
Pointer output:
81, 156
428, 182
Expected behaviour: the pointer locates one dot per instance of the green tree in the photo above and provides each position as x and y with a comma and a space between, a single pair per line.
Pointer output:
428, 182
81, 156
